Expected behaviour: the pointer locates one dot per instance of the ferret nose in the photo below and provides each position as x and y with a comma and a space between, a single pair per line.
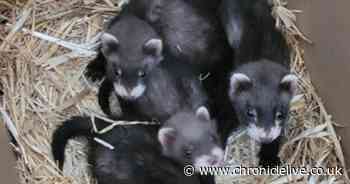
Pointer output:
214, 160
218, 161
128, 90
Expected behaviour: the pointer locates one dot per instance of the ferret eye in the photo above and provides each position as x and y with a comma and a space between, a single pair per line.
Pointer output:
251, 113
118, 72
141, 73
188, 153
279, 116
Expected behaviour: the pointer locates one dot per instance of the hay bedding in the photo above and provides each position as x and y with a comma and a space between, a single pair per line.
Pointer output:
45, 46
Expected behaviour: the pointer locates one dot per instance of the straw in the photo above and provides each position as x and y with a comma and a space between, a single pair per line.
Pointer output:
45, 47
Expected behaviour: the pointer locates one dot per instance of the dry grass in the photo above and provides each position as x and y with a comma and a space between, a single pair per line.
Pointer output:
45, 46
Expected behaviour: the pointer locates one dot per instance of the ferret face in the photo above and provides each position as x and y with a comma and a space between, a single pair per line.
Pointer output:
129, 67
129, 83
191, 139
263, 107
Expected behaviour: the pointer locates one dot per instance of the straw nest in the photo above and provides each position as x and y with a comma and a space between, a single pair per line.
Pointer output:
45, 46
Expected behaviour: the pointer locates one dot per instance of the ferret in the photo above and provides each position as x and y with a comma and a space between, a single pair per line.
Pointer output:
148, 85
251, 32
130, 40
146, 153
191, 30
260, 93
260, 86
164, 94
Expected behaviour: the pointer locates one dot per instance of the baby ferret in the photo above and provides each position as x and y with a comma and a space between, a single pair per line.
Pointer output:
261, 85
146, 153
191, 30
147, 84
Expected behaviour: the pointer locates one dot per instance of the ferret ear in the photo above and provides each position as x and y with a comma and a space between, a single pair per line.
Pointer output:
109, 42
238, 83
203, 113
166, 136
289, 84
154, 47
